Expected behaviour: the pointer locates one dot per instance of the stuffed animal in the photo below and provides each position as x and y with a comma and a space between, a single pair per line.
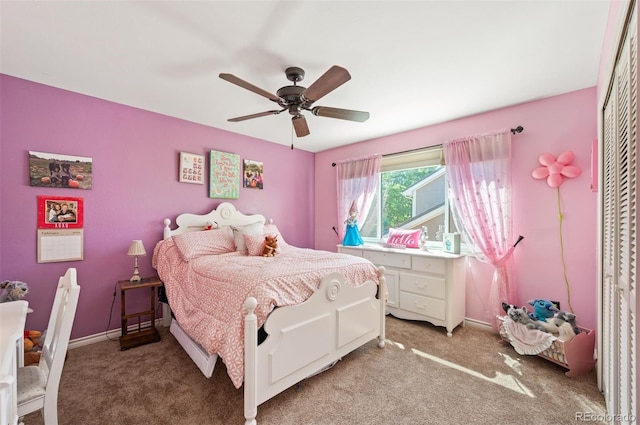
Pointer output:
32, 347
570, 318
561, 324
270, 246
542, 309
518, 315
13, 291
209, 225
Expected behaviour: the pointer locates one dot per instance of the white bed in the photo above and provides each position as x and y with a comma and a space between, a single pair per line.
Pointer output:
303, 339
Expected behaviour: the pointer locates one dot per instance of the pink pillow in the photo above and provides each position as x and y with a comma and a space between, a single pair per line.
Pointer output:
409, 238
254, 243
195, 244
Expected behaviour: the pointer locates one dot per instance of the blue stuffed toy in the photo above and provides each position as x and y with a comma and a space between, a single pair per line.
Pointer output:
542, 309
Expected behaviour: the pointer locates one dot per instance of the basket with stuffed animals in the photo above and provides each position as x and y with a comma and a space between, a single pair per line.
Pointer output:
550, 333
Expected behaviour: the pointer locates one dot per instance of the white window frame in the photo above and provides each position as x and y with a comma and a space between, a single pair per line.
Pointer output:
424, 157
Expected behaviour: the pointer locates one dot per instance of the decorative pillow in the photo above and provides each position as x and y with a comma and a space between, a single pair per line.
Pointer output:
195, 244
272, 229
255, 244
249, 229
409, 238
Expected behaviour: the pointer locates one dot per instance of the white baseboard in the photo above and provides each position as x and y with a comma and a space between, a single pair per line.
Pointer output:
112, 335
478, 324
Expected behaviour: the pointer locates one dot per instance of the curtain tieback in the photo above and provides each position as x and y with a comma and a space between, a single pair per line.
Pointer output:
500, 262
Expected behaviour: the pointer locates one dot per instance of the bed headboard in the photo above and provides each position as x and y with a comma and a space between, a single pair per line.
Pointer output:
225, 215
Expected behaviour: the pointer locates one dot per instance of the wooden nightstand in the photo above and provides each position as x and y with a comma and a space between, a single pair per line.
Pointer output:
140, 335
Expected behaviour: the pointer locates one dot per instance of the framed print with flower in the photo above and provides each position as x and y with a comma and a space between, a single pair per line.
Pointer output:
191, 168
224, 179
253, 174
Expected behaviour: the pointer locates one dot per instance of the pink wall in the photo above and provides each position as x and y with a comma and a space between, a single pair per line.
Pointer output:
135, 186
556, 124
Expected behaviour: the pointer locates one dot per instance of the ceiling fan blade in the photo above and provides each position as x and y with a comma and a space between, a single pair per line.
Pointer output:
245, 85
300, 125
258, 115
329, 81
343, 114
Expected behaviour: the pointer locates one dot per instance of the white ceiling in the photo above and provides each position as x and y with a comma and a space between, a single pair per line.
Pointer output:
413, 63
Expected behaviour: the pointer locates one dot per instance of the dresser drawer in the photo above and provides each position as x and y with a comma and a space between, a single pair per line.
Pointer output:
429, 265
423, 305
390, 259
429, 286
350, 251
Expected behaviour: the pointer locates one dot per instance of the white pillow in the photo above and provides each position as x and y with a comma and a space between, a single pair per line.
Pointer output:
195, 244
249, 229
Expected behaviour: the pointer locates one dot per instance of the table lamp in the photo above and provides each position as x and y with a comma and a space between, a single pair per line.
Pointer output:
136, 249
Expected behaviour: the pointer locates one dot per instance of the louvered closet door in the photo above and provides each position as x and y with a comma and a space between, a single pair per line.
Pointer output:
619, 235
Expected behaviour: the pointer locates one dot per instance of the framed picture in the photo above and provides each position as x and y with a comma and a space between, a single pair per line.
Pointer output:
253, 174
60, 212
224, 175
191, 168
56, 170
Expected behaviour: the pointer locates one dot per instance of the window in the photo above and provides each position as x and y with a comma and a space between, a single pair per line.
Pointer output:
412, 193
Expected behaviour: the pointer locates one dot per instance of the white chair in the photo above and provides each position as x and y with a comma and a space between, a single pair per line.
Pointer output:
38, 384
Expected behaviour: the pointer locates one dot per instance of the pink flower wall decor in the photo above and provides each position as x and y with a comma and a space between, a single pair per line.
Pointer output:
556, 169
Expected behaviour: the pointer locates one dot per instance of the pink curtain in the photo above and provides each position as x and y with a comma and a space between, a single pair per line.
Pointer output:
357, 181
478, 170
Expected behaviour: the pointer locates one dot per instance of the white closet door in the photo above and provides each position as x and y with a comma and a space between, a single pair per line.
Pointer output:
619, 235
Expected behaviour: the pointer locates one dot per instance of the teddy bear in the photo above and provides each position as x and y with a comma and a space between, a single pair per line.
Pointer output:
270, 246
13, 290
32, 347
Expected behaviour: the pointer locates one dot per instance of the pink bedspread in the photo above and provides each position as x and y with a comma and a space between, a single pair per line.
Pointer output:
207, 294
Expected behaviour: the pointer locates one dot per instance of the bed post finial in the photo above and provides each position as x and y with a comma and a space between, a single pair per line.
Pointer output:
167, 230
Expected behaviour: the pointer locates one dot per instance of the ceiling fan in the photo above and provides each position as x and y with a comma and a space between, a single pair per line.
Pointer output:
295, 98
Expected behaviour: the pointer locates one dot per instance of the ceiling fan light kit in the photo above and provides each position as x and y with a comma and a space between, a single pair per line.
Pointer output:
295, 98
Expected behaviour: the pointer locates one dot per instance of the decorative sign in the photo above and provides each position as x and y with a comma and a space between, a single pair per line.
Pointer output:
224, 175
191, 168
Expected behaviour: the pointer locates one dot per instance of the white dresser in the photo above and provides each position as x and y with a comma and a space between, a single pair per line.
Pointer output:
423, 285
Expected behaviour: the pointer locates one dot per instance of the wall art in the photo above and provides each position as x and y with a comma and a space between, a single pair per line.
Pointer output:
191, 168
60, 232
224, 179
253, 174
60, 212
56, 170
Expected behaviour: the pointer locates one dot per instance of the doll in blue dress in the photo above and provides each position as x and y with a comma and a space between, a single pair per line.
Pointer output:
352, 234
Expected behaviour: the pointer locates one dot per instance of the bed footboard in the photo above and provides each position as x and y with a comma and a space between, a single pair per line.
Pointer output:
304, 338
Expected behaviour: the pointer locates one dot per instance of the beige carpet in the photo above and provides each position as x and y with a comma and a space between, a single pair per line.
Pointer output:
420, 377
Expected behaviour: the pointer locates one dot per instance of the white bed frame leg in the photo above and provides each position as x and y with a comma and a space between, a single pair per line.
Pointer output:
382, 290
250, 362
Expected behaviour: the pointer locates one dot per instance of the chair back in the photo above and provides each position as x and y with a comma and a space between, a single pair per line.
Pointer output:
58, 332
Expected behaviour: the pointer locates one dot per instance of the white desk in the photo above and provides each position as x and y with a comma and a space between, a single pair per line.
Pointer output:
13, 316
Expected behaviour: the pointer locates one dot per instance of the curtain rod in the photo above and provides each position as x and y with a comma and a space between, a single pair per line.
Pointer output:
518, 129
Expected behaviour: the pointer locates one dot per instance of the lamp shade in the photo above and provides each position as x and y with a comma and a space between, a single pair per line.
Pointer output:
136, 248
